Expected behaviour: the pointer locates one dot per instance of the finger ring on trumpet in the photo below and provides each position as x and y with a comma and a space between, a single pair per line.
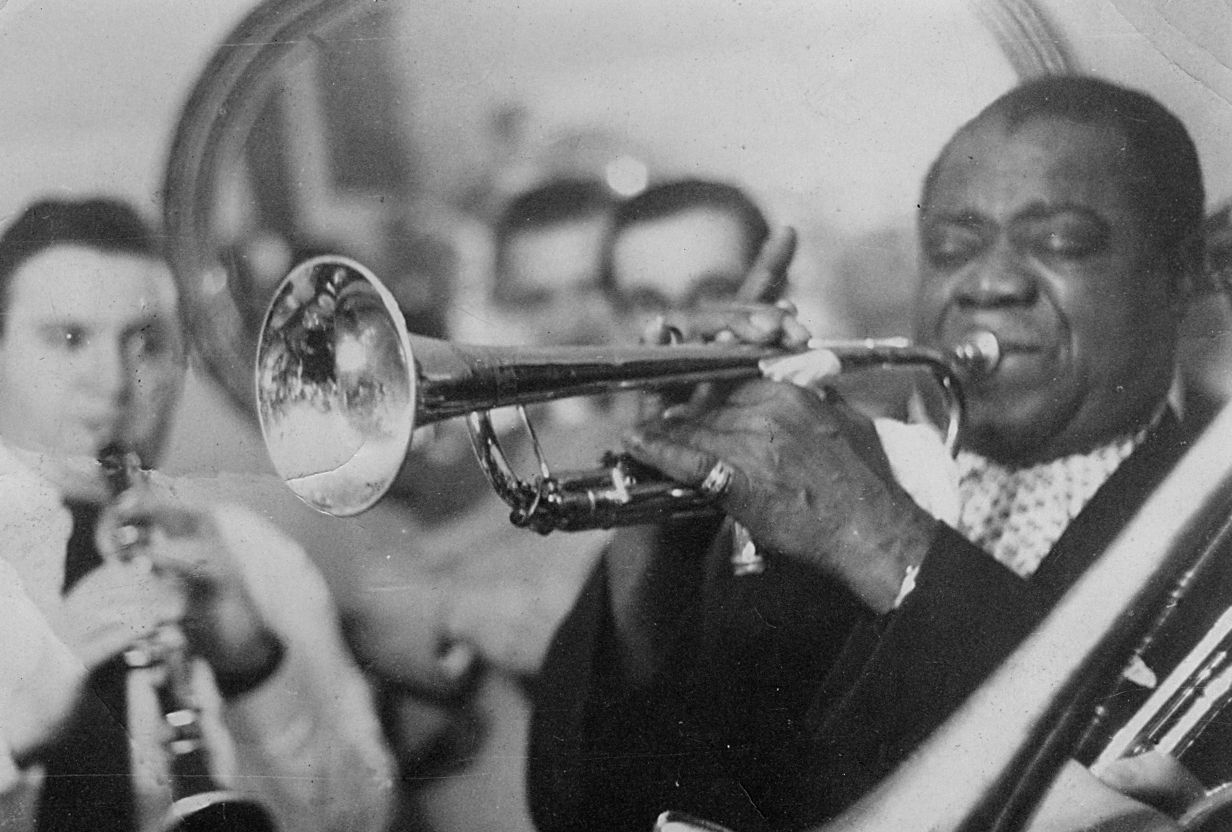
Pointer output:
717, 480
745, 558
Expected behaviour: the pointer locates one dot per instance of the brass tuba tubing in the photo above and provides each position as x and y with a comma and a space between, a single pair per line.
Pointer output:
1190, 698
1173, 718
341, 385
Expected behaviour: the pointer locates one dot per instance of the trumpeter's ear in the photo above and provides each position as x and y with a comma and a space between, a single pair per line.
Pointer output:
1210, 256
1188, 274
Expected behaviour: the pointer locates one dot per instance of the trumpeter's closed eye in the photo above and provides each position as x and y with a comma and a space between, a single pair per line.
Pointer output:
1069, 234
950, 244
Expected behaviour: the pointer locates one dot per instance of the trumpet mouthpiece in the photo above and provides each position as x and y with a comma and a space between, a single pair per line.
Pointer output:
979, 353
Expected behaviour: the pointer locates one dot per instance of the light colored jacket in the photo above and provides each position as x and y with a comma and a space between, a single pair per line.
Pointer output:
306, 742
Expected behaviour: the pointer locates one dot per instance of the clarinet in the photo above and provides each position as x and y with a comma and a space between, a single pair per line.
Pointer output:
198, 803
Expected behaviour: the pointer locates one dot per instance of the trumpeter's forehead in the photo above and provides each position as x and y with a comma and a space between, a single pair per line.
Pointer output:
997, 170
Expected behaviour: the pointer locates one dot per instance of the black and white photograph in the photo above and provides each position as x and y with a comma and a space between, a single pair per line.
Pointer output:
615, 416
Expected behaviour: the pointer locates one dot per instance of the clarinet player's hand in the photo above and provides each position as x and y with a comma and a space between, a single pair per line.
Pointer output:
184, 548
113, 607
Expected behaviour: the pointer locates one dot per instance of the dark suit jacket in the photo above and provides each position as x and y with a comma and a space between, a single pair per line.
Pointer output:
787, 700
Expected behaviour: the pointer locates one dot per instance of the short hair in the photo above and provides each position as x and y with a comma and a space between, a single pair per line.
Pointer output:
553, 203
668, 199
100, 223
1166, 178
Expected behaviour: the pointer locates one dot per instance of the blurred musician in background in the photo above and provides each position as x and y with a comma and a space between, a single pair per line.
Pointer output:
1063, 219
456, 626
544, 286
92, 355
680, 244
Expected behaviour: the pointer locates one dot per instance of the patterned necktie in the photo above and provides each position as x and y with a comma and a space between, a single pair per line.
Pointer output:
87, 786
1018, 514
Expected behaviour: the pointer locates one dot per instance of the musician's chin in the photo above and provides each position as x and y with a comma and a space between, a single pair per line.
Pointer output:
77, 475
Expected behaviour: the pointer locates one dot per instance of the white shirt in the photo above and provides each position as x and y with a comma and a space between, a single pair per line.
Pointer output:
1017, 514
306, 742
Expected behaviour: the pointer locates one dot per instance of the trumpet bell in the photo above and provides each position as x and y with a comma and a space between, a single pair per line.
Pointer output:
335, 385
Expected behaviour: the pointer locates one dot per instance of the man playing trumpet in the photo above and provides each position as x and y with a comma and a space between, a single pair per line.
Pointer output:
1064, 220
92, 357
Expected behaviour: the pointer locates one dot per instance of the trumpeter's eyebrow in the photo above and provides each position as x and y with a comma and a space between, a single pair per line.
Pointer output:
1048, 210
966, 217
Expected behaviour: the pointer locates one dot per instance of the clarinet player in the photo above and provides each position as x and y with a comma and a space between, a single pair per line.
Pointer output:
92, 357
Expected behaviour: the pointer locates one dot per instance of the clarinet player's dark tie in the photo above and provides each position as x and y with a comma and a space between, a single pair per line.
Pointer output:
88, 785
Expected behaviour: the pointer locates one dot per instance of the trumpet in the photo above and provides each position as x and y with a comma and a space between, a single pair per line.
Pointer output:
198, 803
341, 385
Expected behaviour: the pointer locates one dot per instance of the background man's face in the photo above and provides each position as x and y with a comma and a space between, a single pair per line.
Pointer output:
549, 283
1034, 236
91, 353
680, 260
